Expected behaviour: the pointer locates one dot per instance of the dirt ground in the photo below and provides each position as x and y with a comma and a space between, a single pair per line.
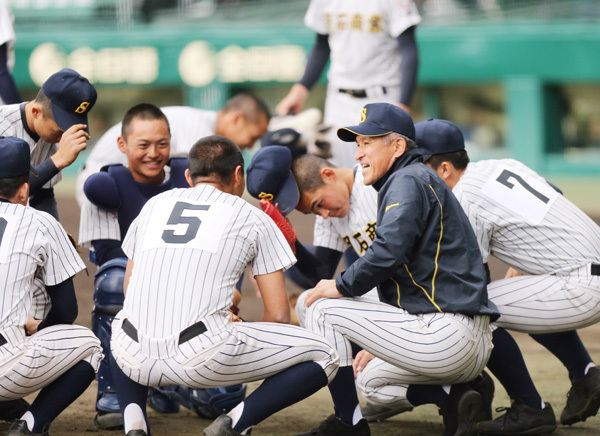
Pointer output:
547, 372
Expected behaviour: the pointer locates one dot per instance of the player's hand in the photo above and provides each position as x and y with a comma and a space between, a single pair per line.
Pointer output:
294, 101
72, 142
512, 273
360, 361
32, 325
324, 289
403, 106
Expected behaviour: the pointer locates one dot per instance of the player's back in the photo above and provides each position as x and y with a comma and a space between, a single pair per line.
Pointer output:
523, 221
189, 248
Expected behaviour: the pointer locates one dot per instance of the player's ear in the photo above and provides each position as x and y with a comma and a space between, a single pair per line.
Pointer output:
122, 144
22, 195
36, 109
399, 147
188, 178
328, 175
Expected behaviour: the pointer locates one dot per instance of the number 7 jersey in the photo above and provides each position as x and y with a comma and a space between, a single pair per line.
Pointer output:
189, 248
520, 219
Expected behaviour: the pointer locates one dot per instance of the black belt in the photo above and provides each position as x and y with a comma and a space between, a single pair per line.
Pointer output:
185, 335
2, 340
359, 93
595, 270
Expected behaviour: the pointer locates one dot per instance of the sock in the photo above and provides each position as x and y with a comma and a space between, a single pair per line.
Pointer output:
280, 391
569, 349
426, 394
343, 393
507, 364
59, 394
130, 393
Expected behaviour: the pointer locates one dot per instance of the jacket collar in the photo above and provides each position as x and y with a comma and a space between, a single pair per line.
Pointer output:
408, 158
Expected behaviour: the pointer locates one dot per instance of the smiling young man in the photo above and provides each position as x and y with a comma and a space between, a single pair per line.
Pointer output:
432, 321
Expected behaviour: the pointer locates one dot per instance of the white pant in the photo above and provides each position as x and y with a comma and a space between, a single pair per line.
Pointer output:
343, 110
29, 363
547, 303
433, 348
240, 352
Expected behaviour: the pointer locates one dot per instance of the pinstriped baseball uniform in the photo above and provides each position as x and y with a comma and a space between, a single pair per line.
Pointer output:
364, 55
187, 125
356, 229
189, 248
7, 36
524, 222
14, 123
97, 223
32, 242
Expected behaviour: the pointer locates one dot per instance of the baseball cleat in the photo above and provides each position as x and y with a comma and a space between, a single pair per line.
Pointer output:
333, 426
136, 433
19, 428
460, 411
221, 427
484, 386
583, 399
374, 412
520, 419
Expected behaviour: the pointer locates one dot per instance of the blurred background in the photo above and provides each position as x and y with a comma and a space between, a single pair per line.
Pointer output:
520, 77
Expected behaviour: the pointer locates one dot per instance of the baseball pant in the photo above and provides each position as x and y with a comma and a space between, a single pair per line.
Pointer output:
547, 303
227, 353
29, 363
432, 348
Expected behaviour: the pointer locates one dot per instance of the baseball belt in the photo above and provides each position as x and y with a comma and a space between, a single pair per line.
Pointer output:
595, 269
2, 340
185, 335
359, 93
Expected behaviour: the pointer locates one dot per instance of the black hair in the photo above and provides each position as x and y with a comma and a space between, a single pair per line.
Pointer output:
213, 156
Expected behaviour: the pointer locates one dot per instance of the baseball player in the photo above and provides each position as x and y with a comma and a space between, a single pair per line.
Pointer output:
9, 93
55, 127
243, 119
432, 320
52, 355
186, 251
554, 250
374, 58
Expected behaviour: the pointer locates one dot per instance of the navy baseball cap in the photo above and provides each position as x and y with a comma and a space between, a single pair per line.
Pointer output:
269, 176
71, 95
435, 136
14, 157
379, 119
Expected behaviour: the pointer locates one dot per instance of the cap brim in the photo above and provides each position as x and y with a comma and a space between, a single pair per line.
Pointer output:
288, 196
349, 134
65, 119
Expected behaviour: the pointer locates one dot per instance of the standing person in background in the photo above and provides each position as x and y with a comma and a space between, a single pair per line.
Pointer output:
9, 93
374, 58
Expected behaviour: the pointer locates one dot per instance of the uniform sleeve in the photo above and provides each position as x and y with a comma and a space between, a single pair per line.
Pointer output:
131, 238
326, 236
57, 256
315, 18
402, 223
402, 15
483, 228
272, 250
97, 223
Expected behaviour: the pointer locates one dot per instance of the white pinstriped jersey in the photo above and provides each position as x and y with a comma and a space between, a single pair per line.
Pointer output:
189, 248
523, 221
357, 228
31, 243
187, 125
12, 124
362, 38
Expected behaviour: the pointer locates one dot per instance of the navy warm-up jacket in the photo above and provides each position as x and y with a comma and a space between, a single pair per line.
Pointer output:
425, 257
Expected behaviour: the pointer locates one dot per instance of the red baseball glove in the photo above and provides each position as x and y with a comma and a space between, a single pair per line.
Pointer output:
282, 222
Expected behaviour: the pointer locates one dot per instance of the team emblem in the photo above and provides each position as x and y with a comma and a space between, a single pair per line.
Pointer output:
82, 107
363, 115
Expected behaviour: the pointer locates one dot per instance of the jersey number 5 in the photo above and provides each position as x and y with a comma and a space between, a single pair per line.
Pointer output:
192, 222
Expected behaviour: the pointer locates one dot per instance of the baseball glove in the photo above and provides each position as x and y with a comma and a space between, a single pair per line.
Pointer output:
282, 222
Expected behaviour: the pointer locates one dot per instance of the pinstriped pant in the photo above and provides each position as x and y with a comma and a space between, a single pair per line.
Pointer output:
434, 348
29, 363
547, 303
228, 353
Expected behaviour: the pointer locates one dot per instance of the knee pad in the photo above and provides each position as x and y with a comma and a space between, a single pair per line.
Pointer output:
108, 286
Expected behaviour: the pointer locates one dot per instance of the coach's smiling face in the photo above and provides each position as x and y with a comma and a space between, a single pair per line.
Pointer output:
147, 145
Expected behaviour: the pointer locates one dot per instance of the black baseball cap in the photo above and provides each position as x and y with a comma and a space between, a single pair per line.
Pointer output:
269, 176
435, 136
14, 157
379, 119
71, 95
